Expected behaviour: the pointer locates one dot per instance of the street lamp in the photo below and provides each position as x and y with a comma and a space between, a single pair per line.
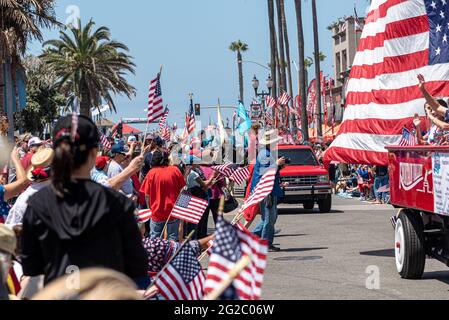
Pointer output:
263, 94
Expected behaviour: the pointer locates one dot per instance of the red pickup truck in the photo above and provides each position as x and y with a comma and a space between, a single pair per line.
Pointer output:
308, 181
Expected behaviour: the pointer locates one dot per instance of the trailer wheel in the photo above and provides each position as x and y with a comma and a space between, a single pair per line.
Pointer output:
309, 205
409, 245
325, 205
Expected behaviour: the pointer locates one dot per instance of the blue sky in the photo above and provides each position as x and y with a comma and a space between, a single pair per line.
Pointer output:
190, 38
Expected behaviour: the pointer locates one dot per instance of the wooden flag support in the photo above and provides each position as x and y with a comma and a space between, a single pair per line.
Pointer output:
232, 274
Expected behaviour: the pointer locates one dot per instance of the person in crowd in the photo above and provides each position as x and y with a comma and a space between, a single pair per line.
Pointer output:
34, 144
118, 156
11, 190
150, 141
7, 251
39, 174
216, 190
266, 159
382, 179
198, 185
22, 144
75, 221
162, 186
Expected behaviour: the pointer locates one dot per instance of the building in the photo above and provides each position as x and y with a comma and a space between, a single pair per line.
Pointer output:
346, 36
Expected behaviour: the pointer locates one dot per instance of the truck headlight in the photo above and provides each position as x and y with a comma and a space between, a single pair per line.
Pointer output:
323, 179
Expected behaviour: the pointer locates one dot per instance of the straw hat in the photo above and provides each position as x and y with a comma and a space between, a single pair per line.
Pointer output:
41, 160
270, 137
8, 240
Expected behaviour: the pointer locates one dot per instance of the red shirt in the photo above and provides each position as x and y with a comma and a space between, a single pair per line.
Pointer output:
26, 160
163, 186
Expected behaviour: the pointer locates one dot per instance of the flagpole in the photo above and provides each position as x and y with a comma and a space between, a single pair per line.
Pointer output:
232, 274
148, 123
171, 259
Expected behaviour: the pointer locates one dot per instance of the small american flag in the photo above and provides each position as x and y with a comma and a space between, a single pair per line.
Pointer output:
163, 121
230, 245
240, 176
183, 279
144, 215
262, 189
271, 102
408, 138
284, 99
189, 208
190, 121
155, 103
105, 142
226, 169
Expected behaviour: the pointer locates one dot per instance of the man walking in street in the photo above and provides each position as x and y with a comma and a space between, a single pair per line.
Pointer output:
267, 159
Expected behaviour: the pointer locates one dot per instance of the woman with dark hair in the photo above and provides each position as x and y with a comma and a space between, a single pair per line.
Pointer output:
162, 186
75, 222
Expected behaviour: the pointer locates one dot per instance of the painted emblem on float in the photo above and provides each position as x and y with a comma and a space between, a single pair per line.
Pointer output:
411, 174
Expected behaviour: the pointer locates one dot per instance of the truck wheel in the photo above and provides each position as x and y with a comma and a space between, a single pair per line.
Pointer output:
325, 205
309, 205
409, 245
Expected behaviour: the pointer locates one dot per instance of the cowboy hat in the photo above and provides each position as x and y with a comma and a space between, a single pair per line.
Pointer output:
270, 137
40, 162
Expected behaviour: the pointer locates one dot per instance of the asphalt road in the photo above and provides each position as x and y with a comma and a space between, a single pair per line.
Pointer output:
347, 254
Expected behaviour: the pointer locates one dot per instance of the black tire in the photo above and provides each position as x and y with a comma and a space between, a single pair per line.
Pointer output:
325, 205
413, 256
309, 205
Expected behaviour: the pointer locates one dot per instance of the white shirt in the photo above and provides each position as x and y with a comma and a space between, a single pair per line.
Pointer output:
16, 213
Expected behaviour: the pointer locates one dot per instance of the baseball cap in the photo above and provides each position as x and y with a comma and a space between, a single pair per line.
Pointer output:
119, 148
35, 141
101, 162
8, 240
132, 139
87, 134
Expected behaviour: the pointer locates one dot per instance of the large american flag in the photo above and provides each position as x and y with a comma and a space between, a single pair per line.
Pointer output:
408, 138
155, 103
189, 208
262, 189
400, 40
183, 279
230, 245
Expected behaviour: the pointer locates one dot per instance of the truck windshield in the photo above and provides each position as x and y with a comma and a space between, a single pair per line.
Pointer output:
299, 157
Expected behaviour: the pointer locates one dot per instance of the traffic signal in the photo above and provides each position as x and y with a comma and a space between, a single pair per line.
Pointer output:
197, 110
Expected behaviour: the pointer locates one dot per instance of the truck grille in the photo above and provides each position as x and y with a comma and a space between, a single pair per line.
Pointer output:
301, 180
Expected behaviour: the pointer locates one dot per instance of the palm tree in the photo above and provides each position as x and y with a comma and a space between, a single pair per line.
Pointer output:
239, 47
282, 69
273, 46
317, 68
90, 66
309, 61
20, 22
302, 69
287, 54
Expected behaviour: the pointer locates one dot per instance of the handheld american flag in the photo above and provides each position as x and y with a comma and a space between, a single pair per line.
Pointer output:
104, 141
144, 215
408, 138
271, 102
240, 176
284, 99
183, 279
400, 40
189, 208
230, 245
190, 122
262, 189
155, 103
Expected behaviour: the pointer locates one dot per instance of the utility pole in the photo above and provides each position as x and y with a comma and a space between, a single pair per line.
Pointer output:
317, 70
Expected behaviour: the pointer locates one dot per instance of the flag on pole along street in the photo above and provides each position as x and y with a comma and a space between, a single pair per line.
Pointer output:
240, 176
245, 125
221, 128
163, 121
357, 25
183, 279
262, 189
190, 122
230, 245
284, 99
75, 112
189, 208
400, 40
155, 102
269, 117
408, 138
271, 102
